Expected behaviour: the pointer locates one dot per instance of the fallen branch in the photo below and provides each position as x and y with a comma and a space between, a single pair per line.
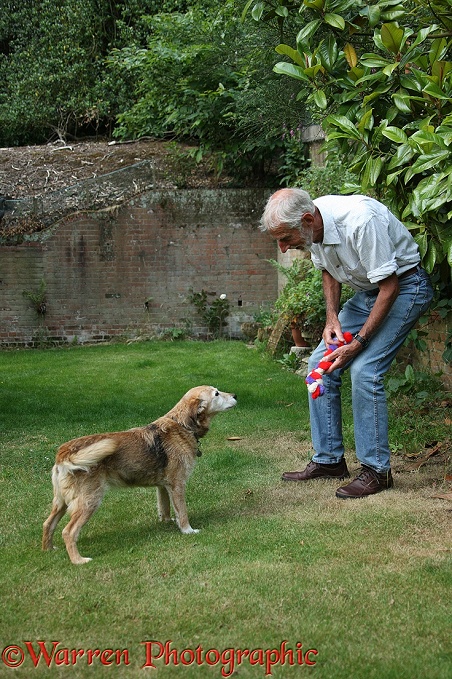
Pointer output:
434, 451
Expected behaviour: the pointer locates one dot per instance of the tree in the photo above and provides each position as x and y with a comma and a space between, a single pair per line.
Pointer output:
207, 78
53, 78
377, 75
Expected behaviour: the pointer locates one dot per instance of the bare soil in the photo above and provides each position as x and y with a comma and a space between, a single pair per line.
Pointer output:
31, 171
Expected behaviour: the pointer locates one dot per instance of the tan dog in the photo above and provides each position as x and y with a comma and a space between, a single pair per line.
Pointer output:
161, 454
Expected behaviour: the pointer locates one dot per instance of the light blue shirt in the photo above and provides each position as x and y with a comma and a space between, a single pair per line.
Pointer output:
363, 242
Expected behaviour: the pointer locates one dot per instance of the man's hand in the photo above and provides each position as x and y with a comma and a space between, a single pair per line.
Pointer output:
343, 355
332, 332
387, 294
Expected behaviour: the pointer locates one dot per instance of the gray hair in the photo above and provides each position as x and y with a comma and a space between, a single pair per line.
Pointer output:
286, 206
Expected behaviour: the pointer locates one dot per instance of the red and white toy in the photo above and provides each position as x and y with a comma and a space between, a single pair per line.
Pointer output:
315, 378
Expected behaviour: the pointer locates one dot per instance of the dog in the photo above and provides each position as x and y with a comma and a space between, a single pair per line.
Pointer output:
161, 454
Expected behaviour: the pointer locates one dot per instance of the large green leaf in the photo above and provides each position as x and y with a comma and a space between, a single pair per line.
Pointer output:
431, 256
410, 82
438, 50
335, 20
328, 53
292, 70
290, 52
374, 14
392, 37
440, 71
426, 162
388, 70
320, 99
436, 92
395, 134
258, 11
398, 12
376, 93
422, 35
402, 101
392, 176
372, 171
314, 4
374, 60
424, 137
307, 32
403, 155
282, 11
312, 71
345, 125
449, 253
367, 121
422, 242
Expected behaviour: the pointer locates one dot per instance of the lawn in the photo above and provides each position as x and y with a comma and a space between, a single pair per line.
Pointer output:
283, 580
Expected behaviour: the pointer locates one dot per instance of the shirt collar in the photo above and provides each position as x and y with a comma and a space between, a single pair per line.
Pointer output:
330, 232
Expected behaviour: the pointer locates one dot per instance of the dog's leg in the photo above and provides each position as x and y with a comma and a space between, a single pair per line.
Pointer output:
177, 495
81, 511
58, 510
163, 504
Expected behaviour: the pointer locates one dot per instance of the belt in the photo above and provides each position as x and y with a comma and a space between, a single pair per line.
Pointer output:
410, 272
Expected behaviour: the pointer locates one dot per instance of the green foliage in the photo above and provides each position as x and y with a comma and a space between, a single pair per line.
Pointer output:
440, 309
289, 362
294, 158
379, 77
214, 314
53, 78
201, 77
414, 383
266, 316
320, 180
302, 300
49, 69
188, 70
175, 334
38, 299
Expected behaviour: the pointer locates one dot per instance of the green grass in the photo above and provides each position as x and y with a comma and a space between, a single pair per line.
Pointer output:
365, 583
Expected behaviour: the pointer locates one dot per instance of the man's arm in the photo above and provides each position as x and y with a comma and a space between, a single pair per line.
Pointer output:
332, 292
388, 293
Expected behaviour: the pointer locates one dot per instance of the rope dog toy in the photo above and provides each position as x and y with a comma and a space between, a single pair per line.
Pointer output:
315, 378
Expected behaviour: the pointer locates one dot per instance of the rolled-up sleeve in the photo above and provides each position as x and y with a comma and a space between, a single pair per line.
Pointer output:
376, 250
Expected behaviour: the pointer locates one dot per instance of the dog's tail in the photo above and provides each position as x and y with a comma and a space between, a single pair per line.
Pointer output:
86, 457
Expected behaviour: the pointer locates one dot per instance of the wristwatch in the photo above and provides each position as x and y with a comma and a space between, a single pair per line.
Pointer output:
364, 343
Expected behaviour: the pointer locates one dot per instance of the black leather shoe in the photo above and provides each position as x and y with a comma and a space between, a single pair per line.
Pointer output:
314, 470
368, 482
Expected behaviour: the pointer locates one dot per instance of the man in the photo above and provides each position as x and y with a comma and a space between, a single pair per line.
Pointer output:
358, 241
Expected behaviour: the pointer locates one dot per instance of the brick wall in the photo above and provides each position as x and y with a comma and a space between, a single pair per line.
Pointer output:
431, 360
128, 271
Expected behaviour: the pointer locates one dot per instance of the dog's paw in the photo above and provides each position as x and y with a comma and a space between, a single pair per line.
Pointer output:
83, 559
189, 530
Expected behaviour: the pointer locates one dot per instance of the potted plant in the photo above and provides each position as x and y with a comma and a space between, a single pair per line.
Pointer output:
302, 301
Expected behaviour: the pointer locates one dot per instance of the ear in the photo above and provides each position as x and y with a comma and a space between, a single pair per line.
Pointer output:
202, 405
307, 219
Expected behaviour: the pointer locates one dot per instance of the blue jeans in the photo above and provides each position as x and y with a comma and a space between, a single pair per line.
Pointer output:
367, 369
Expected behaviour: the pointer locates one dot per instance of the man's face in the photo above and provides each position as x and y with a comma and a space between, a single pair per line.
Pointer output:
292, 239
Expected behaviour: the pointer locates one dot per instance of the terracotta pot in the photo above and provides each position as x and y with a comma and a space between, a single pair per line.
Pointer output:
298, 338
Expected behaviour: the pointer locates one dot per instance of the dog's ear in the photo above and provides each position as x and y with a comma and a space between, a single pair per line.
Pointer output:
194, 411
202, 405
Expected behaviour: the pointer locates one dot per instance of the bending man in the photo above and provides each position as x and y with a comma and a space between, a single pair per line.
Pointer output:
354, 240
